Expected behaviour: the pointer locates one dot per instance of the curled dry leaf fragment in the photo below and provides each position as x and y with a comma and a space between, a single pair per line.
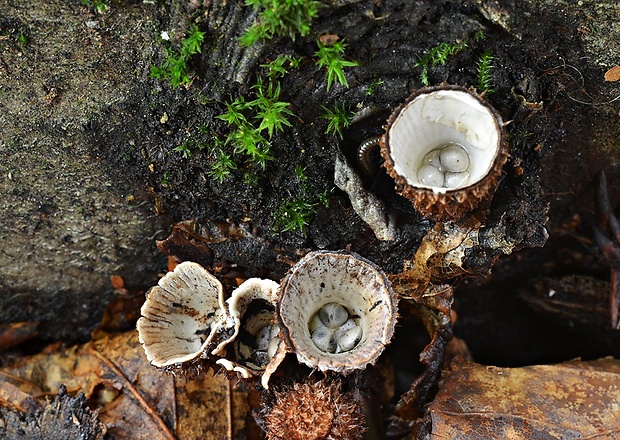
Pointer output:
445, 148
434, 306
15, 333
439, 258
337, 311
613, 74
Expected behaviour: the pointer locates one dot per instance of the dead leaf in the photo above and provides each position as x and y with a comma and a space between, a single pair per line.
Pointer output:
185, 244
15, 333
439, 257
569, 400
117, 282
135, 400
328, 39
121, 313
613, 74
211, 408
434, 308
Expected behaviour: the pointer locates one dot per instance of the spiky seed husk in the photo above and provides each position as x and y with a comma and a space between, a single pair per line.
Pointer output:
314, 411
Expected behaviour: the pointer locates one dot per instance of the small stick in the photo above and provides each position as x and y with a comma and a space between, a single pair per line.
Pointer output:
136, 394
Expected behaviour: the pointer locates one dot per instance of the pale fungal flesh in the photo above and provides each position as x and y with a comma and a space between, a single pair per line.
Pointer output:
337, 311
434, 122
445, 148
185, 318
181, 316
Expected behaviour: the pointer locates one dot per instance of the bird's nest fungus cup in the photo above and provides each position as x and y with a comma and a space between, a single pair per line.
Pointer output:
445, 148
183, 317
255, 337
185, 321
337, 311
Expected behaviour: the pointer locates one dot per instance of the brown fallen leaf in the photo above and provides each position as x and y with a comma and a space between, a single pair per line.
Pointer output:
434, 308
569, 400
117, 282
134, 400
329, 39
613, 74
439, 257
185, 244
15, 333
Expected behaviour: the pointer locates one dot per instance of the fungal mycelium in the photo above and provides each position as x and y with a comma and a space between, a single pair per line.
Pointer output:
445, 148
336, 311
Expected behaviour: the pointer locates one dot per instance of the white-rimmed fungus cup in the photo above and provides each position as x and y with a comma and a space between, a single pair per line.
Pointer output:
337, 311
445, 148
183, 317
255, 339
185, 320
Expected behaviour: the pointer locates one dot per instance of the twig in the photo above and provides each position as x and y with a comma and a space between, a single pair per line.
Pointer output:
135, 393
229, 416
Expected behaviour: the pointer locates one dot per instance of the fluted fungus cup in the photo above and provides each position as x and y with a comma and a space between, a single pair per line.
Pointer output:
445, 148
255, 340
183, 317
337, 311
185, 320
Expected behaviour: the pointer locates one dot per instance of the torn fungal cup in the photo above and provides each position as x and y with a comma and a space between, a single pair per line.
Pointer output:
445, 148
183, 317
337, 311
255, 340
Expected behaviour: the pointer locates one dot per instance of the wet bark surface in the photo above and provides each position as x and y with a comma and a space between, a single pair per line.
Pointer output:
89, 178
74, 209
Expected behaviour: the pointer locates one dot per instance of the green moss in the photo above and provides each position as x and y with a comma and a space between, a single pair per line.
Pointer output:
175, 68
330, 57
438, 55
222, 166
166, 179
271, 113
484, 67
255, 120
337, 118
294, 215
280, 18
370, 89
100, 6
296, 212
184, 149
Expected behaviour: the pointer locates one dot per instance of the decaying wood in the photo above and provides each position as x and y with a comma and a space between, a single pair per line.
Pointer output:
65, 417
